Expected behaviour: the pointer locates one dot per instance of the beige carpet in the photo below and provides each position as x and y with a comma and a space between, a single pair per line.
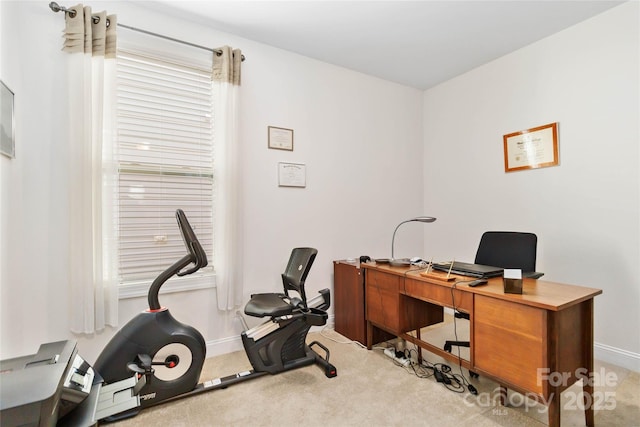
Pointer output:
371, 390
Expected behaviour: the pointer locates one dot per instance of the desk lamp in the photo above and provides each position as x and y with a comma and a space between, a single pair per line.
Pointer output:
405, 261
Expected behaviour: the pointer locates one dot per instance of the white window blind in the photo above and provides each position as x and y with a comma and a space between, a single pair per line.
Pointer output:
165, 154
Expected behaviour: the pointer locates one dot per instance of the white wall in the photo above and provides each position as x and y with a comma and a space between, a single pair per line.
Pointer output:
33, 301
360, 138
586, 210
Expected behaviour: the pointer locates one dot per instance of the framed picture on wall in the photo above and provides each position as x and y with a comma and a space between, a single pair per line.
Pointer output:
531, 148
7, 122
280, 138
292, 174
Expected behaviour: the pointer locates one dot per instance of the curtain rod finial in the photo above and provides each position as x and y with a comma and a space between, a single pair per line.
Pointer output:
57, 8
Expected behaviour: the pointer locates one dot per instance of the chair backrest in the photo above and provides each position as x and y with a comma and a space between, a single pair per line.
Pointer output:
508, 249
294, 276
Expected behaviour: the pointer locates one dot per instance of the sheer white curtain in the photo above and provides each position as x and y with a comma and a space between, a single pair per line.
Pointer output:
227, 221
90, 41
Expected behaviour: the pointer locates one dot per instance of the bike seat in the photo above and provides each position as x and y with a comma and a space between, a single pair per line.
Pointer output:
272, 305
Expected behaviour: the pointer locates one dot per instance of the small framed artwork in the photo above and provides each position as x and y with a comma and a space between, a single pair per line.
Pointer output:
280, 138
531, 148
292, 175
7, 122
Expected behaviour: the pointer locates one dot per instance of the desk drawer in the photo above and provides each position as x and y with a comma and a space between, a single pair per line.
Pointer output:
509, 341
383, 300
383, 308
385, 281
439, 294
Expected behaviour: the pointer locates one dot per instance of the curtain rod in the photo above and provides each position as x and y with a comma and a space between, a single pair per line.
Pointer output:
57, 8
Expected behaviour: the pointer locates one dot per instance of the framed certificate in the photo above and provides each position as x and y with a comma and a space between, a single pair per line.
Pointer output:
292, 174
531, 148
280, 138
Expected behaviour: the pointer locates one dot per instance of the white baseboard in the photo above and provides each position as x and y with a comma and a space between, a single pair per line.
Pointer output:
224, 346
617, 356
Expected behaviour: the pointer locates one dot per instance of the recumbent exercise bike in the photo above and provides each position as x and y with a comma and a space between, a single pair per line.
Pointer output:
167, 356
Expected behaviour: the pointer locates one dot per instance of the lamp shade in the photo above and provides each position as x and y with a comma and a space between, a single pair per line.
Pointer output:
424, 219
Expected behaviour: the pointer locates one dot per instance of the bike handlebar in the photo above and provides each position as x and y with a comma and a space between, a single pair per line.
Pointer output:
192, 244
196, 256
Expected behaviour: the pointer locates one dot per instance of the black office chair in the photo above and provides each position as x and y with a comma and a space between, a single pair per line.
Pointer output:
505, 249
279, 344
509, 249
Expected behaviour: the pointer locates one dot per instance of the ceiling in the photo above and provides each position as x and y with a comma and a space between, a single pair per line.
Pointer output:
414, 43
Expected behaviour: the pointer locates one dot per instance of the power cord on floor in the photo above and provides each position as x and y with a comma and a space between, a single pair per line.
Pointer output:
419, 370
440, 371
345, 341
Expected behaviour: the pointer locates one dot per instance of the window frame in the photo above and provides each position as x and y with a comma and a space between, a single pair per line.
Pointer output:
203, 279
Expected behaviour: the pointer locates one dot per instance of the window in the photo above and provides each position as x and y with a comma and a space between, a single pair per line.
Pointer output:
164, 132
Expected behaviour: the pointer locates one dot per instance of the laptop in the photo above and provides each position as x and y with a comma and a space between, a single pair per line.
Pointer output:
468, 269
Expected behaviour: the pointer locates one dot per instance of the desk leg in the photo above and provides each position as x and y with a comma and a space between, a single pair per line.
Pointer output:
419, 348
554, 410
587, 383
369, 335
503, 395
588, 402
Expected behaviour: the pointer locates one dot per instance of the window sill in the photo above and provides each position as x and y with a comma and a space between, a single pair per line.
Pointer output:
175, 284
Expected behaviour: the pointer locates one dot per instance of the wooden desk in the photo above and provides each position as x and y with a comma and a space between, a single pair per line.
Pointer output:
524, 342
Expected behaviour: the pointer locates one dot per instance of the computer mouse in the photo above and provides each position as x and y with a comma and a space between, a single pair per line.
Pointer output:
415, 260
